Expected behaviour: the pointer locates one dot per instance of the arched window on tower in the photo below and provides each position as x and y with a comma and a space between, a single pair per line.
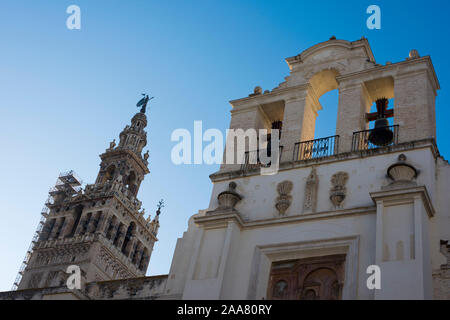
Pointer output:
76, 216
131, 183
327, 117
318, 136
126, 242
119, 234
109, 175
110, 228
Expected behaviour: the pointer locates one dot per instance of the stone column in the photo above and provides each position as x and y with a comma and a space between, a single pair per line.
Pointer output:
137, 253
46, 229
402, 239
249, 118
56, 227
94, 222
130, 245
354, 103
121, 232
414, 109
81, 224
299, 122
103, 223
144, 260
70, 221
114, 231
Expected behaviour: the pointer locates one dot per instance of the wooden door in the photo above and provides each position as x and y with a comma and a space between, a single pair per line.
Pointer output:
317, 278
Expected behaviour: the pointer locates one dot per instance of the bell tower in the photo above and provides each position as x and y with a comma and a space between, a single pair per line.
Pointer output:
101, 228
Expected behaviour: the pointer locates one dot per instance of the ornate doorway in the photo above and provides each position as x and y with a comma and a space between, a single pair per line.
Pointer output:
318, 278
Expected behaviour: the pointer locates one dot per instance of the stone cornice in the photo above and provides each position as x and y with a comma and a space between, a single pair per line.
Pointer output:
89, 239
427, 59
222, 220
350, 45
396, 194
258, 99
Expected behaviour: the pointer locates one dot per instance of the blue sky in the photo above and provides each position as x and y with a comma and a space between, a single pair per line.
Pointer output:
65, 94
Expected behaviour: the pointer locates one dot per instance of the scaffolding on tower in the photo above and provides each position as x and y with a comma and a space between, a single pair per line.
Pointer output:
67, 185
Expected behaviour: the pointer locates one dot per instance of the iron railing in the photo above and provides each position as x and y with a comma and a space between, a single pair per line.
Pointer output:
318, 148
361, 141
252, 161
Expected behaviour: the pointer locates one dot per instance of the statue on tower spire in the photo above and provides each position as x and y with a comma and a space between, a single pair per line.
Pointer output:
143, 102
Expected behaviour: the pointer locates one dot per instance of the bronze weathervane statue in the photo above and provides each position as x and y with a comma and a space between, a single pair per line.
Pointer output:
143, 102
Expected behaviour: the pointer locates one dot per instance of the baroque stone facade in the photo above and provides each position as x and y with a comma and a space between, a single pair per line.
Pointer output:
280, 236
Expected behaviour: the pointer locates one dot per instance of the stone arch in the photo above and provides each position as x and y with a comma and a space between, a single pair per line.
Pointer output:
110, 228
319, 83
324, 81
316, 71
321, 283
131, 182
119, 234
126, 246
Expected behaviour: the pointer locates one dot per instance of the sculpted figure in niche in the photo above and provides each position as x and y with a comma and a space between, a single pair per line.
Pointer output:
310, 199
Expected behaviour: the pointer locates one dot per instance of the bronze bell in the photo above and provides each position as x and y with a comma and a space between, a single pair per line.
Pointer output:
381, 135
275, 125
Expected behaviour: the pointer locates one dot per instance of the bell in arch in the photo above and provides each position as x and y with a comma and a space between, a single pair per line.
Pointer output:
381, 135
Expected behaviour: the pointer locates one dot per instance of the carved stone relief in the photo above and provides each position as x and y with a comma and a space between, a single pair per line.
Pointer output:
283, 201
338, 191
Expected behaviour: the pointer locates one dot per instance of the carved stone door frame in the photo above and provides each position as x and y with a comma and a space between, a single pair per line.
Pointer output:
302, 279
265, 255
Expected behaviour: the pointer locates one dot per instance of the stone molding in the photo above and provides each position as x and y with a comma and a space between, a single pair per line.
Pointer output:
400, 194
221, 220
345, 156
266, 254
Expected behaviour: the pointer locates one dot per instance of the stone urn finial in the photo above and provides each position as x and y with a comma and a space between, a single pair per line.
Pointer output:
283, 201
401, 173
229, 198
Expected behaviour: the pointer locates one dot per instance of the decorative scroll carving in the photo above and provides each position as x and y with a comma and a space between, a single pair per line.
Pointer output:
284, 198
310, 200
338, 190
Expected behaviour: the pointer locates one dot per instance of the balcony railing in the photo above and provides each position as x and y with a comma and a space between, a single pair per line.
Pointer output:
361, 141
318, 148
252, 160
